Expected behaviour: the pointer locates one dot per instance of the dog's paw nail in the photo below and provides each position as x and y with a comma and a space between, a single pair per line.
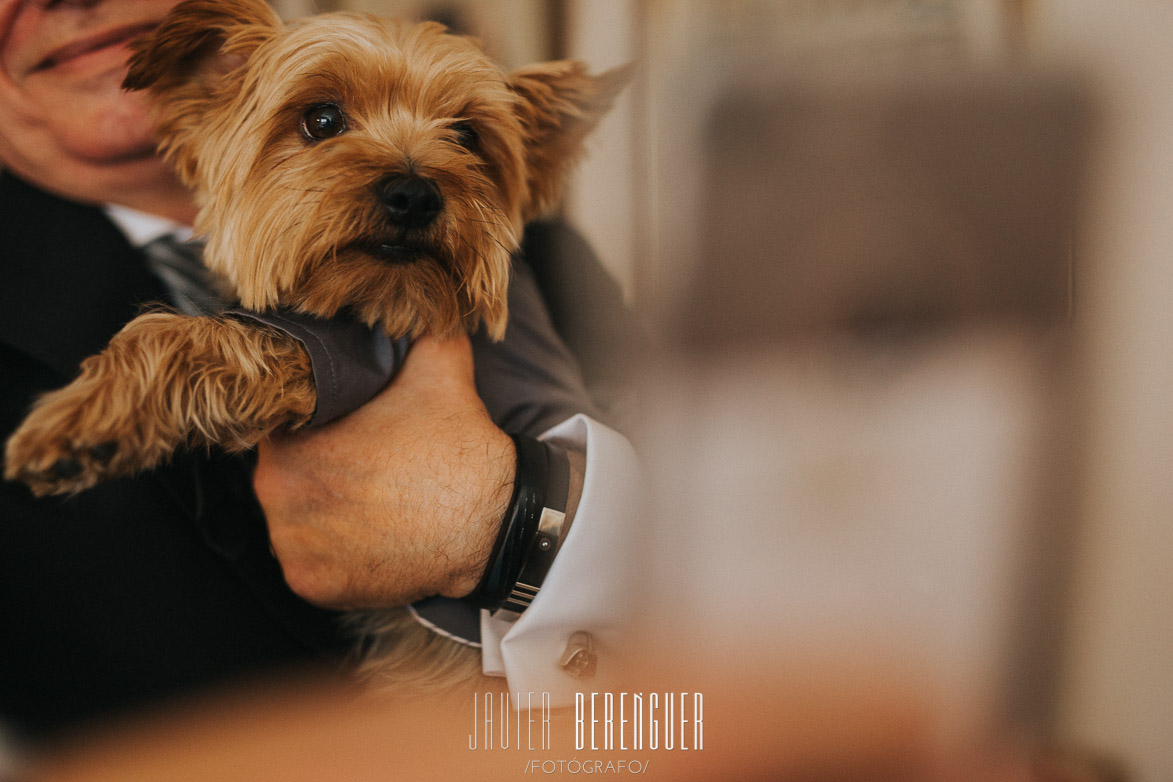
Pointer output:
104, 452
66, 467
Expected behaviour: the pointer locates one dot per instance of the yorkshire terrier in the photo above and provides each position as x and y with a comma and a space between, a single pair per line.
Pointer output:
339, 162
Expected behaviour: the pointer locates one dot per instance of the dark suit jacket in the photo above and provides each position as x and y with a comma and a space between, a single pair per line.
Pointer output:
146, 587
140, 588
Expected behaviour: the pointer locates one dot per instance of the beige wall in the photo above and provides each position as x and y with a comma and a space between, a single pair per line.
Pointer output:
515, 32
604, 199
1118, 690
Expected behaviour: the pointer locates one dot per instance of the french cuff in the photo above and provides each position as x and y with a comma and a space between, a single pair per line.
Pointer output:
589, 586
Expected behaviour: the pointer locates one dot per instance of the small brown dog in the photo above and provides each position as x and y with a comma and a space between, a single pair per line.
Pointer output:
340, 161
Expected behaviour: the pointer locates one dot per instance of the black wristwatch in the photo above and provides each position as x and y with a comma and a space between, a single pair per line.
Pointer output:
531, 532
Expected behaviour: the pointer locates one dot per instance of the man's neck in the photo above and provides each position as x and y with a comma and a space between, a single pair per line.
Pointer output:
168, 199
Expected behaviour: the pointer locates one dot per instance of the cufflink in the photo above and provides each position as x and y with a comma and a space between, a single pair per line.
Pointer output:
579, 660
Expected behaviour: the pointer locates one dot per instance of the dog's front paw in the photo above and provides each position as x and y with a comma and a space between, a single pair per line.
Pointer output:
67, 444
56, 465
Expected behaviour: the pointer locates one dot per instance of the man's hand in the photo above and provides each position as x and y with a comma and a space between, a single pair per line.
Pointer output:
401, 499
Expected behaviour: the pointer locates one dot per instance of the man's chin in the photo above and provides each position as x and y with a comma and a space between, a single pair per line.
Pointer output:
114, 149
111, 127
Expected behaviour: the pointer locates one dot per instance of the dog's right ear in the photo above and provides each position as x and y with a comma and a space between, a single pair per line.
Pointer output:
559, 105
190, 59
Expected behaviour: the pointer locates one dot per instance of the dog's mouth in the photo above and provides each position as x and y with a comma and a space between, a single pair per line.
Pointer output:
394, 253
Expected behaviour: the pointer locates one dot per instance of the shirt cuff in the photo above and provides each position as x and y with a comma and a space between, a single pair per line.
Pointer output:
588, 586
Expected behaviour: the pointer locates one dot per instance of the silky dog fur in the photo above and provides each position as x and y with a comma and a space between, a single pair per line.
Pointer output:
288, 135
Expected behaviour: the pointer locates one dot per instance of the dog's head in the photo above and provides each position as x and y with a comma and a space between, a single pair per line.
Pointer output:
349, 161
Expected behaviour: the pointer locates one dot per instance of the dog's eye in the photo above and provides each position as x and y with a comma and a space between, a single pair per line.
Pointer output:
322, 122
465, 134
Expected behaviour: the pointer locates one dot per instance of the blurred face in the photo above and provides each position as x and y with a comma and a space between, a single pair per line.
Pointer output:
68, 125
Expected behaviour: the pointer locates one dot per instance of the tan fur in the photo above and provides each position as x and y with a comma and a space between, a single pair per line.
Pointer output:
290, 222
398, 653
165, 380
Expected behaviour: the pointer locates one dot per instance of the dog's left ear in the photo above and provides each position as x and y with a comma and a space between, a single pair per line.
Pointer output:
560, 105
189, 60
199, 39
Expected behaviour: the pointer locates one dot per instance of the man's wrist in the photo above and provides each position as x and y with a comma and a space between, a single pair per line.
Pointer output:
485, 522
532, 529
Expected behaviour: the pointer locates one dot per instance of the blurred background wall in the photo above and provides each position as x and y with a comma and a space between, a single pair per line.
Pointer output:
1118, 674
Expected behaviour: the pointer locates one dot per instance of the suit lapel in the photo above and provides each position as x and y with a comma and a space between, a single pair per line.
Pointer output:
71, 280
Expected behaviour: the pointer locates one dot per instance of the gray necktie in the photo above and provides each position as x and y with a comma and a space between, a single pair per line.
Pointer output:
179, 266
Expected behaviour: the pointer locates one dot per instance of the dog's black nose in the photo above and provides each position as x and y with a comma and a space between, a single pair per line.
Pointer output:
411, 201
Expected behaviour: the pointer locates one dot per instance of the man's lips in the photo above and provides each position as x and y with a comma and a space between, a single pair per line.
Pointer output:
115, 36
